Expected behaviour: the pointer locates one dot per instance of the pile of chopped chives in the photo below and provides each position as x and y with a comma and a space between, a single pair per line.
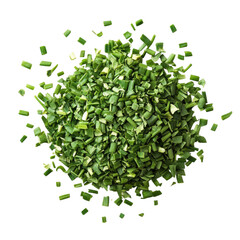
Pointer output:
119, 121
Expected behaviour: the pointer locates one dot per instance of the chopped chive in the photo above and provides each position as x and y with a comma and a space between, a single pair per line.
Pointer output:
139, 22
187, 67
155, 202
49, 170
37, 131
58, 184
40, 112
78, 185
181, 57
65, 196
29, 125
159, 46
214, 127
53, 164
209, 108
134, 29
227, 115
104, 219
130, 40
183, 45
24, 137
127, 35
82, 53
30, 87
52, 157
202, 82
98, 34
49, 72
60, 73
42, 84
141, 214
122, 215
23, 113
194, 77
105, 201
188, 54
26, 64
173, 28
84, 211
48, 86
45, 63
82, 41
86, 196
43, 50
129, 203
92, 191
203, 122
107, 23
21, 92
145, 40
72, 56
67, 32
118, 201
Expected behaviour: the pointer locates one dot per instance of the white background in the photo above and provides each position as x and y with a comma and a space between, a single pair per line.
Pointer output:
206, 206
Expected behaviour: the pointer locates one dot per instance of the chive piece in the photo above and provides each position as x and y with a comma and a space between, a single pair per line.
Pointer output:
42, 84
141, 214
187, 67
67, 32
145, 40
139, 22
194, 78
122, 215
53, 164
159, 46
29, 125
37, 131
127, 35
203, 122
129, 203
48, 86
78, 185
98, 34
183, 45
60, 73
23, 138
181, 57
104, 219
21, 92
214, 127
82, 41
23, 113
134, 29
26, 64
188, 54
30, 87
49, 72
92, 191
45, 63
40, 112
49, 170
86, 196
43, 50
173, 28
107, 23
82, 53
227, 115
65, 196
84, 211
72, 56
58, 184
118, 201
105, 201
155, 202
52, 157
202, 82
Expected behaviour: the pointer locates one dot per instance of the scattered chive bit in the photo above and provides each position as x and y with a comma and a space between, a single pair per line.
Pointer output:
26, 64
98, 34
40, 112
107, 23
21, 92
181, 57
227, 115
104, 219
86, 196
23, 113
52, 157
82, 53
45, 63
202, 82
122, 215
155, 202
146, 40
65, 196
53, 164
58, 184
129, 203
92, 191
37, 131
29, 125
194, 77
84, 211
134, 29
173, 28
60, 73
139, 22
214, 127
30, 87
67, 32
118, 201
105, 201
49, 72
48, 86
77, 185
203, 122
43, 50
23, 138
159, 46
48, 172
188, 54
42, 84
141, 214
72, 56
183, 45
82, 41
127, 35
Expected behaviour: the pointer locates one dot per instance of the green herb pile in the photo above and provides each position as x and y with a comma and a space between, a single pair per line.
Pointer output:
120, 122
